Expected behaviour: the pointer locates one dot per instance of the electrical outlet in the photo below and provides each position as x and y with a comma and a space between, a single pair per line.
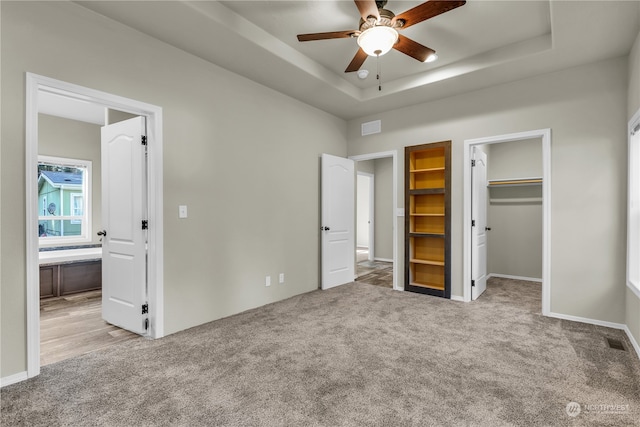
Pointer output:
281, 278
267, 281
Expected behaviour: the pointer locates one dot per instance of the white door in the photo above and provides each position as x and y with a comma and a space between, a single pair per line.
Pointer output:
479, 223
124, 266
337, 229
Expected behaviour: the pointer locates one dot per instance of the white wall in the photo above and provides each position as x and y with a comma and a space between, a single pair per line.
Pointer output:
586, 109
363, 198
244, 158
384, 208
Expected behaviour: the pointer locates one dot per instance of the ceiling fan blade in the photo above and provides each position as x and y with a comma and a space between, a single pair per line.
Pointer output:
425, 11
325, 36
413, 48
367, 8
357, 61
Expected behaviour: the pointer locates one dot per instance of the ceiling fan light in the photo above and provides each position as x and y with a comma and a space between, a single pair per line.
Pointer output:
377, 41
431, 58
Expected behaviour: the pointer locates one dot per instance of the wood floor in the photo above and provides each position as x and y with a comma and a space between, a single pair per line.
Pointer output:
73, 325
377, 273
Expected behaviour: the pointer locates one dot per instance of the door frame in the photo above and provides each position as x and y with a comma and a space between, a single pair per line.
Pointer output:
371, 207
396, 211
155, 275
545, 136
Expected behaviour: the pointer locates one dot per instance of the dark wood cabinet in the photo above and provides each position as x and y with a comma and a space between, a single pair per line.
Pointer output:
428, 219
64, 279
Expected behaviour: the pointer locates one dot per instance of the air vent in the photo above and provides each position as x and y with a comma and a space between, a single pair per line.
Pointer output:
369, 128
615, 344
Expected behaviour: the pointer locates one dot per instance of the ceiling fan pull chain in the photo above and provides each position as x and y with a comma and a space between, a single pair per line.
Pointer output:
378, 73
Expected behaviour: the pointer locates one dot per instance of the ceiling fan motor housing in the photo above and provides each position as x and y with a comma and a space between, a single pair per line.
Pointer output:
386, 17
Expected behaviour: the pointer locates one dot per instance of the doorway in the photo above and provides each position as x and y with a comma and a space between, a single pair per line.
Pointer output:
474, 145
365, 215
376, 253
38, 87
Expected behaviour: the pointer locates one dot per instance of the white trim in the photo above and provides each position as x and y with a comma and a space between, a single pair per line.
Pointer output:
383, 259
545, 134
457, 298
34, 85
632, 166
633, 289
606, 324
508, 276
634, 343
394, 155
12, 379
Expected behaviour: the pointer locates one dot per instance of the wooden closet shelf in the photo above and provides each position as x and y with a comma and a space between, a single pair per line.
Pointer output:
514, 182
418, 234
428, 262
426, 170
425, 191
428, 285
426, 214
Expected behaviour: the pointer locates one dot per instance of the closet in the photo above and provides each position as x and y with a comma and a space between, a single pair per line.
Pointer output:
514, 209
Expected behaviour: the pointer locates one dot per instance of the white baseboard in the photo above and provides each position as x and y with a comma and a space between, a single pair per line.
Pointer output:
383, 259
507, 276
634, 343
606, 324
457, 298
12, 379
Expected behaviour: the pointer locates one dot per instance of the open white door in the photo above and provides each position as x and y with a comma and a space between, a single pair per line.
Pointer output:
338, 225
479, 223
124, 264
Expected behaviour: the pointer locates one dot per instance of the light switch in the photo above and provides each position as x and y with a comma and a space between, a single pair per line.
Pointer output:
182, 211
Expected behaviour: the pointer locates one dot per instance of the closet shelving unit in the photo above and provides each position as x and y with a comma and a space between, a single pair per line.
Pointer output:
514, 182
530, 182
428, 219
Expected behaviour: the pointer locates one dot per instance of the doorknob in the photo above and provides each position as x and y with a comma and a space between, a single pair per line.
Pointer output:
487, 228
324, 228
102, 233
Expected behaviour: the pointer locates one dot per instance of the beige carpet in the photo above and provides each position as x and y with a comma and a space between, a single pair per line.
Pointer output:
355, 355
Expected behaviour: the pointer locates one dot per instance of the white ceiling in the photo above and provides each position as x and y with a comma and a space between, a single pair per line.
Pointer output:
480, 44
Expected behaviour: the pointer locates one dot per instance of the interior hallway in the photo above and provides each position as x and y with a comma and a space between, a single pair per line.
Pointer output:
379, 273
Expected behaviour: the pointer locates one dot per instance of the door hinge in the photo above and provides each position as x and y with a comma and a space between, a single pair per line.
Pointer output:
146, 324
143, 140
145, 224
473, 222
473, 163
145, 308
473, 283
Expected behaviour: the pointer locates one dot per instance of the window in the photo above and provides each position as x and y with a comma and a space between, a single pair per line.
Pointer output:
633, 205
64, 196
77, 207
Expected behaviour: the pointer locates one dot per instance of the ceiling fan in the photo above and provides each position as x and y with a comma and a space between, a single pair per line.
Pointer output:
378, 30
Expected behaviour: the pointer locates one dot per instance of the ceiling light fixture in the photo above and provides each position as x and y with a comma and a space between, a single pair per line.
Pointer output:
362, 74
431, 58
378, 40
